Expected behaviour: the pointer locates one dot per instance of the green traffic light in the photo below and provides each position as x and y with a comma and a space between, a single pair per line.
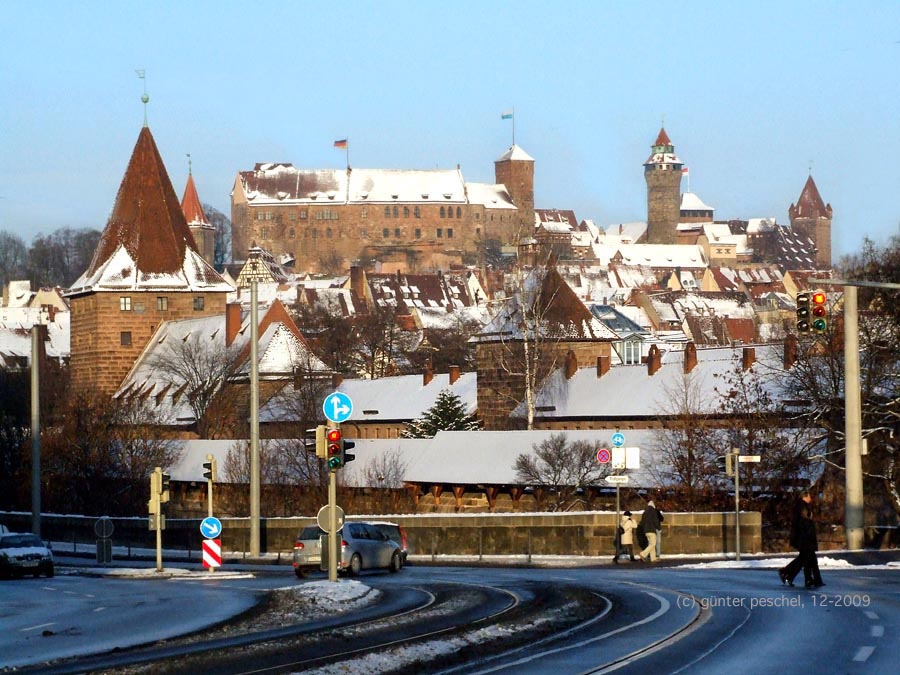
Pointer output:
334, 463
819, 325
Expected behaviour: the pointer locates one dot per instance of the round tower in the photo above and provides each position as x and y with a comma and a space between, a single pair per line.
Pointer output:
662, 171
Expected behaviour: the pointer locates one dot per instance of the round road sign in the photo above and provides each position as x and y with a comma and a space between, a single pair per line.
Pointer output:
603, 455
337, 407
618, 439
323, 518
211, 527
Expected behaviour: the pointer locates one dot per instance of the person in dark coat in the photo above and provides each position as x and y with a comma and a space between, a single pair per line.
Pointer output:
650, 524
800, 534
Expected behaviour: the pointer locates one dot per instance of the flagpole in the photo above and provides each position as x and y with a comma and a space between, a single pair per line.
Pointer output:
514, 126
347, 148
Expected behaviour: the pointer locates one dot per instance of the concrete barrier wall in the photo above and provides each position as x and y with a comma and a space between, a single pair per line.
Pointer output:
586, 533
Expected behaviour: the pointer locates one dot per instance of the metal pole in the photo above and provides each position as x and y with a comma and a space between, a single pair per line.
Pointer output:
35, 430
254, 421
852, 423
209, 497
158, 516
737, 504
617, 541
334, 547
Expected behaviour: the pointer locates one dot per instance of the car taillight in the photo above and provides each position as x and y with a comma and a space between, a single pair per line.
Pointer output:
403, 537
344, 543
298, 545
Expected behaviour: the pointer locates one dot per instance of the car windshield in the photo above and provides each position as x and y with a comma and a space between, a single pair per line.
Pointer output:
312, 532
20, 541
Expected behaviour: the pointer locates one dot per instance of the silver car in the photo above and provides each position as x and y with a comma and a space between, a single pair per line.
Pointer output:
24, 553
363, 547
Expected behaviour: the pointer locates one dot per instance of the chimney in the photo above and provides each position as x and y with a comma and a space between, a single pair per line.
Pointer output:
602, 365
427, 374
690, 357
336, 380
748, 358
51, 313
454, 374
358, 281
654, 360
571, 364
232, 322
790, 351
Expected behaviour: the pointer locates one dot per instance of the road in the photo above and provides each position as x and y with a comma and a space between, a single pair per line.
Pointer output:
647, 619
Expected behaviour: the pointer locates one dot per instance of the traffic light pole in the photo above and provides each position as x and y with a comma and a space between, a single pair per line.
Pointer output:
334, 539
737, 503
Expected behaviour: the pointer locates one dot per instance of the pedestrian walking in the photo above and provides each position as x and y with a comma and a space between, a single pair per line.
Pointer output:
650, 524
625, 535
659, 534
803, 538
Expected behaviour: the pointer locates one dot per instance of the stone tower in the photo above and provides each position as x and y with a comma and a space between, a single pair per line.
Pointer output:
146, 270
204, 233
515, 170
662, 171
811, 218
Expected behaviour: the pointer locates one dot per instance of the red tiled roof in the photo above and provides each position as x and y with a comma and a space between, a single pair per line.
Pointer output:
190, 203
146, 219
663, 138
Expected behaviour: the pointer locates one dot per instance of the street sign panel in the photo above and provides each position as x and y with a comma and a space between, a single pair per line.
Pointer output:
618, 439
212, 553
337, 407
617, 480
211, 527
603, 455
618, 458
632, 458
749, 458
323, 518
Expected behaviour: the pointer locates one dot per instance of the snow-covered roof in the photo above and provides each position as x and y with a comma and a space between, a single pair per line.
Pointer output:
515, 153
691, 202
663, 255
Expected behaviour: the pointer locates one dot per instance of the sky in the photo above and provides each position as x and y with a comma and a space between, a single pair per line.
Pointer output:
753, 95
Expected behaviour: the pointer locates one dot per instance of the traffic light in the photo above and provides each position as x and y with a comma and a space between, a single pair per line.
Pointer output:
724, 463
335, 448
164, 485
803, 312
819, 322
346, 456
209, 468
318, 442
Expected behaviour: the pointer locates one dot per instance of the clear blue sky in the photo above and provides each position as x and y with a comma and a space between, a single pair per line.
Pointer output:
751, 95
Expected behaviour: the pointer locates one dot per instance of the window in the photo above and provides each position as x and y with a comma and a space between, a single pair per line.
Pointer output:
418, 233
406, 212
443, 212
363, 233
458, 212
125, 304
125, 338
363, 213
315, 233
417, 213
396, 212
440, 233
449, 233
293, 215
477, 231
303, 214
260, 215
268, 215
264, 233
162, 304
387, 211
386, 233
328, 233
397, 232
198, 303
292, 233
450, 212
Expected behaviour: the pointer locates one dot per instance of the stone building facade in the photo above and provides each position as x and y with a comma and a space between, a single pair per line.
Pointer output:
662, 172
417, 220
811, 218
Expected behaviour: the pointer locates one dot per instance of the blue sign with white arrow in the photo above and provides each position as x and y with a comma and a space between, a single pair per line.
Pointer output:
211, 527
618, 439
337, 407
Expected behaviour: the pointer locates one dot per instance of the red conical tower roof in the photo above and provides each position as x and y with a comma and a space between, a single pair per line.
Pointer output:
190, 203
146, 219
663, 138
810, 204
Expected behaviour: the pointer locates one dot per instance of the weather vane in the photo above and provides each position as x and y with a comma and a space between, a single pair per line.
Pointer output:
144, 98
189, 163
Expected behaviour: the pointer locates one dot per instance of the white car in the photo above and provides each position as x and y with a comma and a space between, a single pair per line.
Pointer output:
24, 553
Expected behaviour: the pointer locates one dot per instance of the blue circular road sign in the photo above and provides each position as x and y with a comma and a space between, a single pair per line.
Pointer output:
211, 527
337, 407
618, 439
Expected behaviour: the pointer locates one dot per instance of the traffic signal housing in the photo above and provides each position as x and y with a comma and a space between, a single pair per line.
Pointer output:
803, 312
335, 448
819, 312
164, 487
209, 468
318, 441
724, 463
346, 456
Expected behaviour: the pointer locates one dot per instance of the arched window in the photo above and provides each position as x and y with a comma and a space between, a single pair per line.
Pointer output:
406, 212
387, 211
443, 213
328, 232
315, 233
458, 212
449, 211
396, 212
417, 213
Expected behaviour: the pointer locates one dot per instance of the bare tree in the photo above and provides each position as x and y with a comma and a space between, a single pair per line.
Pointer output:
560, 468
686, 445
222, 239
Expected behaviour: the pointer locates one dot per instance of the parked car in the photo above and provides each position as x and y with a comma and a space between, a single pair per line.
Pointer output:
24, 553
363, 547
393, 531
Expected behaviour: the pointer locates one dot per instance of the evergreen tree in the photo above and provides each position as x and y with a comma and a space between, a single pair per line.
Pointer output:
447, 414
